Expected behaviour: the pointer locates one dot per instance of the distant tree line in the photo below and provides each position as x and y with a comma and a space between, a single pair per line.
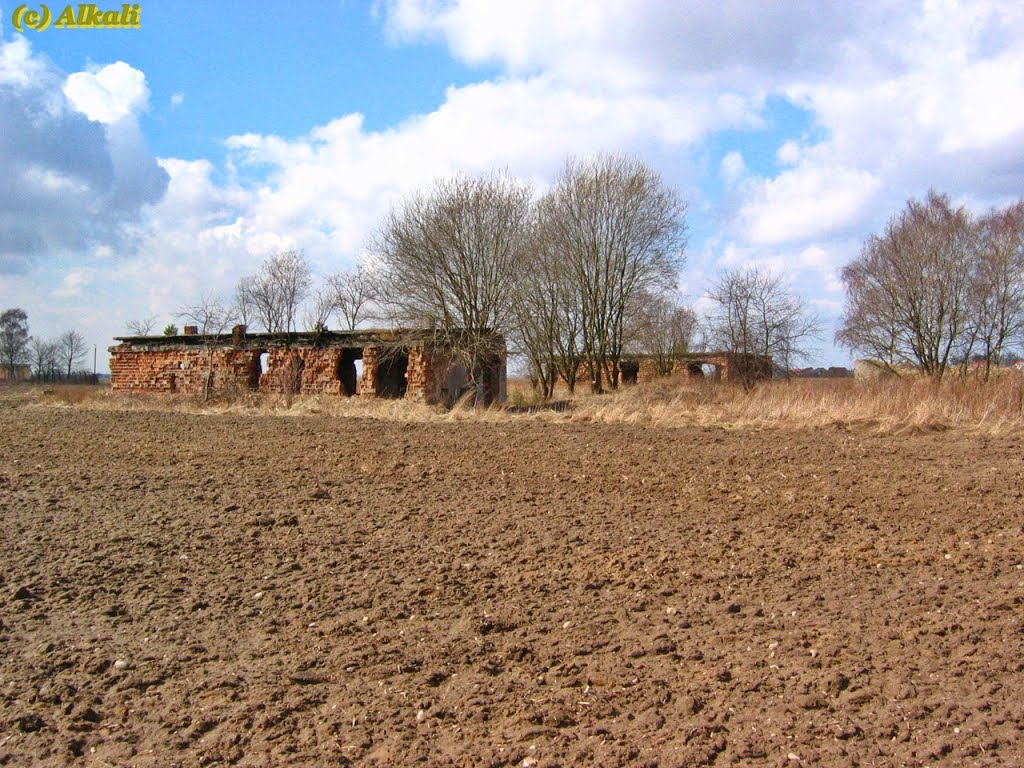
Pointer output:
58, 359
938, 289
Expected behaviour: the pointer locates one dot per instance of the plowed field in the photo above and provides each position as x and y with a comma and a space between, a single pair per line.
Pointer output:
188, 590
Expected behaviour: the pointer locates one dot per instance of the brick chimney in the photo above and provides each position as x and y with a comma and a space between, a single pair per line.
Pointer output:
191, 330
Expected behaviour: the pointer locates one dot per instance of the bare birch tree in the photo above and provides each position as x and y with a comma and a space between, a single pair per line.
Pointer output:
319, 308
661, 328
274, 294
621, 230
71, 350
998, 287
212, 317
353, 292
44, 359
448, 260
756, 316
242, 301
142, 327
548, 318
909, 293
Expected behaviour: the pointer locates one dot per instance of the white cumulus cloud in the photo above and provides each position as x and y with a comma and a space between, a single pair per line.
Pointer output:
108, 94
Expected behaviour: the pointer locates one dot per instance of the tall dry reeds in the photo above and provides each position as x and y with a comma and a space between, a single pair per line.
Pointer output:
891, 405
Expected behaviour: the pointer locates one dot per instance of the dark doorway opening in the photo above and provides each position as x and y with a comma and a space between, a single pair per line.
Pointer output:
391, 370
348, 372
629, 370
695, 370
259, 364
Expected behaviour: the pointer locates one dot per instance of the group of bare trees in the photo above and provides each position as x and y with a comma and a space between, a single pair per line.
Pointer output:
57, 359
559, 276
574, 279
755, 317
938, 288
449, 260
272, 299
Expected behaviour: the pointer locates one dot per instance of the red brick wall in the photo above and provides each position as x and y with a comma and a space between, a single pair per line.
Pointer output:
180, 371
368, 381
315, 370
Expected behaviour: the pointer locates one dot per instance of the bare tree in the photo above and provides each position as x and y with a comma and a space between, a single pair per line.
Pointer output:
290, 271
141, 327
448, 260
14, 340
548, 318
273, 295
756, 317
212, 318
353, 293
45, 359
319, 310
662, 328
909, 292
621, 231
998, 287
242, 302
71, 350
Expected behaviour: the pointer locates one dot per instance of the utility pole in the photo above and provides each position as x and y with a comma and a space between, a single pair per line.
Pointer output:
94, 360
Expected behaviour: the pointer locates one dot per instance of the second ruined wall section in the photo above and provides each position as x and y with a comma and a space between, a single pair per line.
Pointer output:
305, 370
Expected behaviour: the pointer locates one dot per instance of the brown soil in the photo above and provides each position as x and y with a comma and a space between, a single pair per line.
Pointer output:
185, 590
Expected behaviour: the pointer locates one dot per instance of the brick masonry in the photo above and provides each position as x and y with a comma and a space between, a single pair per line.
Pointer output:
417, 369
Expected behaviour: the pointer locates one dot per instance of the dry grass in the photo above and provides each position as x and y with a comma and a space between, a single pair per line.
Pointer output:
895, 405
887, 406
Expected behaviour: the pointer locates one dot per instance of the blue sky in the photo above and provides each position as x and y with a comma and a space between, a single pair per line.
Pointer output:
142, 168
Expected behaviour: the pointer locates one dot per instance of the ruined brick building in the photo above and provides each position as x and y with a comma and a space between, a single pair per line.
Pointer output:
377, 363
716, 366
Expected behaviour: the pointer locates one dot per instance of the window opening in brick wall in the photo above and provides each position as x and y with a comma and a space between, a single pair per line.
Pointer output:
264, 362
256, 368
350, 370
711, 371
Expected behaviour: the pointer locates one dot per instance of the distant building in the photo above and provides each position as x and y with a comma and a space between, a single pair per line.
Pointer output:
22, 372
717, 366
833, 372
409, 364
